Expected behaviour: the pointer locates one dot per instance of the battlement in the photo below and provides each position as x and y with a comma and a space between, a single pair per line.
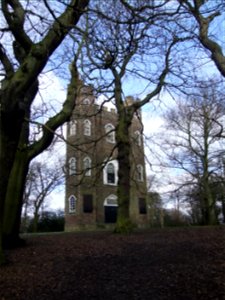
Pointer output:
88, 99
109, 109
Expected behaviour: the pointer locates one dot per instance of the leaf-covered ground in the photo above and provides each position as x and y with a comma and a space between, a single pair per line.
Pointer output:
174, 264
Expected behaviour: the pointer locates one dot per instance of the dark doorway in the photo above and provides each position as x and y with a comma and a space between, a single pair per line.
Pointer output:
110, 214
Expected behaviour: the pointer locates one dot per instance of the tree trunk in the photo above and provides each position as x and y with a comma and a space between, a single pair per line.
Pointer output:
123, 224
10, 128
209, 217
211, 214
223, 210
35, 221
16, 181
14, 200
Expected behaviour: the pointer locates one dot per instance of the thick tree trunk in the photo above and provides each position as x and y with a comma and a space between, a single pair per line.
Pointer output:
211, 214
10, 127
14, 199
211, 209
16, 181
123, 224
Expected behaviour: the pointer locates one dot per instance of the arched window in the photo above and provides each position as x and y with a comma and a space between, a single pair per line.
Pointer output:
110, 173
110, 133
110, 169
140, 173
72, 204
86, 101
87, 127
111, 200
87, 166
137, 137
72, 166
72, 127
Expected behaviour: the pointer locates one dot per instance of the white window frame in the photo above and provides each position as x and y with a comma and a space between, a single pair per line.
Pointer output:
72, 205
140, 173
72, 128
111, 200
87, 166
110, 133
111, 173
87, 127
137, 137
72, 165
86, 101
105, 174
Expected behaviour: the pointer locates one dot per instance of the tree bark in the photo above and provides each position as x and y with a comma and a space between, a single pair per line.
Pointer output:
123, 224
35, 221
211, 218
17, 177
11, 126
208, 209
14, 200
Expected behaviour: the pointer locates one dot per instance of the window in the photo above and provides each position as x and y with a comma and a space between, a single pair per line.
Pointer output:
87, 203
72, 166
87, 127
110, 131
111, 200
72, 127
142, 206
110, 171
137, 137
86, 101
72, 204
87, 166
140, 176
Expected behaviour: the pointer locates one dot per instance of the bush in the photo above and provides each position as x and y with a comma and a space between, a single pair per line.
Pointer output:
49, 222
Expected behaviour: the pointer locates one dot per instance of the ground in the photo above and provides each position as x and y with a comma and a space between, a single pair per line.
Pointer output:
157, 264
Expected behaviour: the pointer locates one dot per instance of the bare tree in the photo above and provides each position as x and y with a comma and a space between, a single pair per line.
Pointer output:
26, 51
193, 145
41, 181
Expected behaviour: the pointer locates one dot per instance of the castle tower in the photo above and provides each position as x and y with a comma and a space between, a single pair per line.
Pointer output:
91, 168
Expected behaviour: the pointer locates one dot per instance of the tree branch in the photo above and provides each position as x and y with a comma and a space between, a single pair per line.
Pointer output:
59, 119
15, 21
204, 23
8, 67
39, 54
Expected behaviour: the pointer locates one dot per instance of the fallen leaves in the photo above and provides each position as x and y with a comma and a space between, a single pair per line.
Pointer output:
156, 264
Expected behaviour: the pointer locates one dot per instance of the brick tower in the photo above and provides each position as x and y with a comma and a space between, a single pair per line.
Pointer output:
91, 167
